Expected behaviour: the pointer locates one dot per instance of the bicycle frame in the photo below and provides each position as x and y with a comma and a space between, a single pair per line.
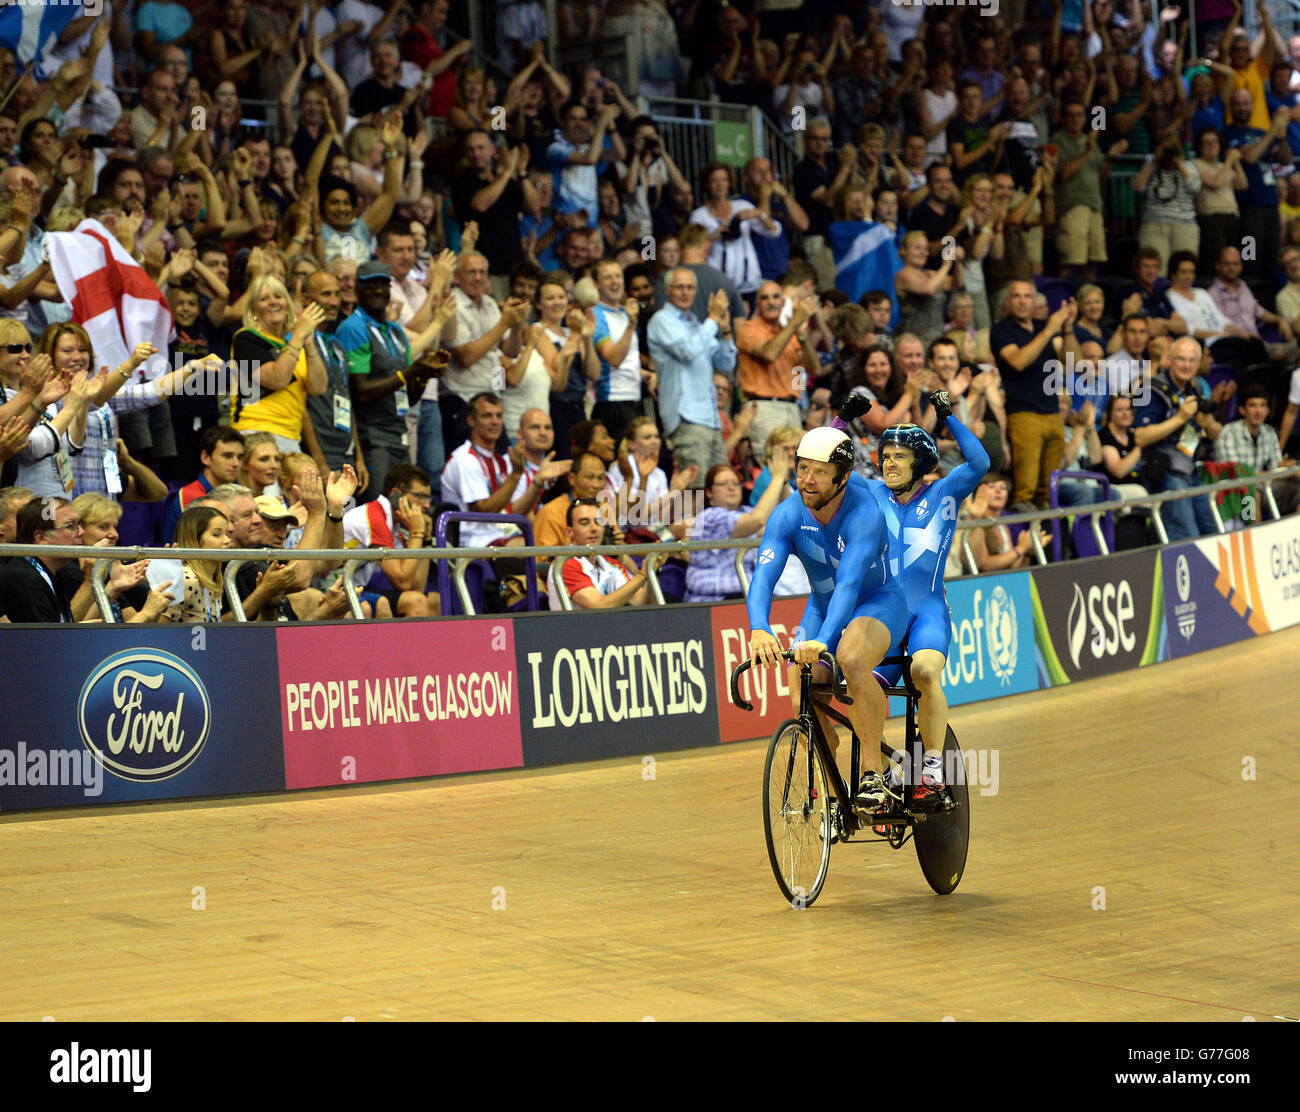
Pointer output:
809, 721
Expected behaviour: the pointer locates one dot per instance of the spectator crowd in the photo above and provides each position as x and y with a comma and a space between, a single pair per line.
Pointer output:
411, 273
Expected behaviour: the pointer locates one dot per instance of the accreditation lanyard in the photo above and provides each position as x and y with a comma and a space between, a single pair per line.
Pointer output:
45, 574
494, 479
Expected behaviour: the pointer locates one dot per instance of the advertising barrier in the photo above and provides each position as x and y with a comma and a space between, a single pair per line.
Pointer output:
130, 714
1099, 616
115, 714
359, 703
767, 688
604, 684
992, 649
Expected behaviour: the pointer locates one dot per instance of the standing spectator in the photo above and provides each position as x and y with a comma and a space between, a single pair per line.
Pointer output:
275, 369
493, 191
520, 24
1249, 441
1035, 427
329, 432
1081, 233
858, 95
974, 144
709, 279
938, 216
647, 174
618, 390
732, 227
384, 369
155, 118
1222, 177
1257, 203
922, 293
765, 193
686, 354
773, 362
818, 176
426, 44
1252, 62
573, 158
383, 88
1168, 185
483, 332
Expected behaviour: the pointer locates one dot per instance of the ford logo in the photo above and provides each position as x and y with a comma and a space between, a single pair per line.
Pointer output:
144, 714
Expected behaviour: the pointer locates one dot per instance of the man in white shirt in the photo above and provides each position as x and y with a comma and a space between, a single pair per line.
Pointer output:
159, 97
618, 390
481, 333
478, 479
537, 439
1127, 369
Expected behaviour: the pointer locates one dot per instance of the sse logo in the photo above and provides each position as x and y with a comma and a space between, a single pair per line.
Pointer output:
145, 714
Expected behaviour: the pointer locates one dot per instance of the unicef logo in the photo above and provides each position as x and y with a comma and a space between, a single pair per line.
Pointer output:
1003, 639
1183, 577
144, 714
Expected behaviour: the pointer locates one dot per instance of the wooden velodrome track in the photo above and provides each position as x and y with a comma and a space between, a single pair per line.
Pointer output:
626, 898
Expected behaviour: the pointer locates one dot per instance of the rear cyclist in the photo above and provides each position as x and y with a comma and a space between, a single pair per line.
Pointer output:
921, 519
856, 609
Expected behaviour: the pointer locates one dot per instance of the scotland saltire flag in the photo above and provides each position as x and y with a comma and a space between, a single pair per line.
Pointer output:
866, 258
29, 27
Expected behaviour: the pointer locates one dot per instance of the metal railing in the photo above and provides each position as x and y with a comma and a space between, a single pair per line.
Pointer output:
233, 559
687, 130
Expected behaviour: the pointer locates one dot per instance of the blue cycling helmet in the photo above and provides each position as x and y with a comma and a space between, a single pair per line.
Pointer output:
919, 441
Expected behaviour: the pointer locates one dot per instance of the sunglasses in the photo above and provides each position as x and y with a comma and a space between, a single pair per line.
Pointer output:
14, 349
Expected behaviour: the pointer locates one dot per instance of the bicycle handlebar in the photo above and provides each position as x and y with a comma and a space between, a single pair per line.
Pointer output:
826, 658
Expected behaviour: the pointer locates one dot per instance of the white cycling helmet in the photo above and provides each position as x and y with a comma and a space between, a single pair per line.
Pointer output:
827, 445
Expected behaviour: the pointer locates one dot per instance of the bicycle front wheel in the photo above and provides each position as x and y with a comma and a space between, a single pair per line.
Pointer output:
796, 814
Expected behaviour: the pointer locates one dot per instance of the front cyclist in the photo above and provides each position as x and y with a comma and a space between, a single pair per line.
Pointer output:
921, 519
856, 609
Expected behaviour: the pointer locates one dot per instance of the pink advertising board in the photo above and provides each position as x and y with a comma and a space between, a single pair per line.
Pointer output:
393, 700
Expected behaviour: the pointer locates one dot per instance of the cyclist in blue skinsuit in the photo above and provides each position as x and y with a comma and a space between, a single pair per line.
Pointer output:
856, 609
921, 520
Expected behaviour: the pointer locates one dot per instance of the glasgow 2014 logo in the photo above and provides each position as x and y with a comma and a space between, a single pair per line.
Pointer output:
144, 714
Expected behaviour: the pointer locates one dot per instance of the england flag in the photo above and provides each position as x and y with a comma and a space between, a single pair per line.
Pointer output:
111, 296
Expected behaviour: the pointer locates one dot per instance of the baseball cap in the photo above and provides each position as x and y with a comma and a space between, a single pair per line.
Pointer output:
270, 508
373, 269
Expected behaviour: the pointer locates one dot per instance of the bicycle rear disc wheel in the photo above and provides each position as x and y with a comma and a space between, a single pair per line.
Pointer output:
796, 814
943, 838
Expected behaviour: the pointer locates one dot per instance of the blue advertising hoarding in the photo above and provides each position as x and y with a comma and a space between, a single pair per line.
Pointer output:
992, 650
106, 718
